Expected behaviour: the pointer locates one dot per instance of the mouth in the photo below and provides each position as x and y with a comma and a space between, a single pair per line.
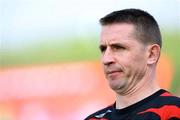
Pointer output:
113, 73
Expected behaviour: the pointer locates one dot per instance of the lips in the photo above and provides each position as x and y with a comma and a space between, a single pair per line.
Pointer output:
111, 72
112, 75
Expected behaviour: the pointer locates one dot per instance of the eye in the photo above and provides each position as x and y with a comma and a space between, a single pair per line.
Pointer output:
118, 47
102, 48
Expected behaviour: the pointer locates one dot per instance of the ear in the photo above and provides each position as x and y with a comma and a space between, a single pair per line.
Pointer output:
153, 54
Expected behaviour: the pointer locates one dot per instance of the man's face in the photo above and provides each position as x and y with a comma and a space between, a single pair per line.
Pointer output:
124, 58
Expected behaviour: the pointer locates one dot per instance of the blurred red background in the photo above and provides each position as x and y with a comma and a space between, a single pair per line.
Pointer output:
60, 91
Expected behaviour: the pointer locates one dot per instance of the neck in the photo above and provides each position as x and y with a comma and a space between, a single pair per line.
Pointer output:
142, 90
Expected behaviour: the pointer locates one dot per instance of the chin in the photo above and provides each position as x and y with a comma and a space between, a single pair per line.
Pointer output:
116, 84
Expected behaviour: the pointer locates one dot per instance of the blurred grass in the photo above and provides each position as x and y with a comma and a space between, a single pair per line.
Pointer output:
53, 51
83, 49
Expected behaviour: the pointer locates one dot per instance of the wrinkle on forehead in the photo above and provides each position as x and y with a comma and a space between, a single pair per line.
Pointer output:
116, 33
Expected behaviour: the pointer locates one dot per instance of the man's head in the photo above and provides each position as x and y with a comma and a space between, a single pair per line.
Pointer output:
130, 44
146, 27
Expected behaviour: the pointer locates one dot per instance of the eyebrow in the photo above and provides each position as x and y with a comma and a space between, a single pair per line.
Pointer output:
113, 44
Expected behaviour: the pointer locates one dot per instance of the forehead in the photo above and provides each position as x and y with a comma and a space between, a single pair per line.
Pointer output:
117, 32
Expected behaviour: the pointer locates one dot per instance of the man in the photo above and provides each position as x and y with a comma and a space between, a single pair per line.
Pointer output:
130, 44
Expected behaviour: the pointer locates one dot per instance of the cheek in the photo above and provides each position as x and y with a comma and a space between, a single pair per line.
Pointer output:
129, 59
138, 64
138, 56
133, 62
139, 61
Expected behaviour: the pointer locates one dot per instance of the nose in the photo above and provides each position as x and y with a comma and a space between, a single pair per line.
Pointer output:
108, 57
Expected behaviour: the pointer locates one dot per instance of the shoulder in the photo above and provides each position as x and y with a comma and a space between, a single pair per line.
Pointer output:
166, 106
170, 99
100, 113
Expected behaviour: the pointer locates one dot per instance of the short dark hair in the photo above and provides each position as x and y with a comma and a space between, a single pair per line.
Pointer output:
146, 27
